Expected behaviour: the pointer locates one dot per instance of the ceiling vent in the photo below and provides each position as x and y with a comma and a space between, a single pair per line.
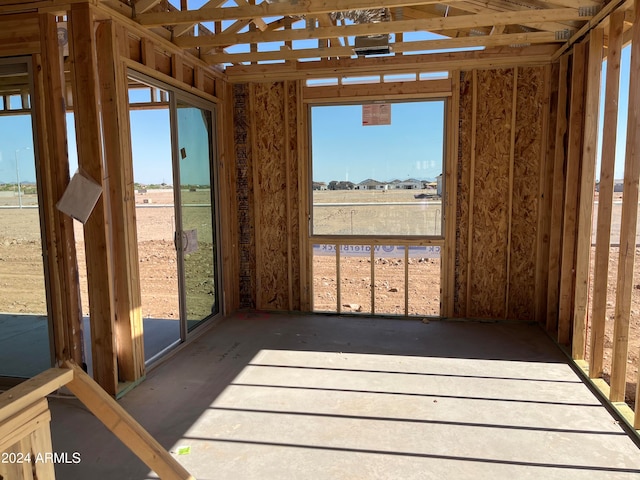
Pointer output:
372, 45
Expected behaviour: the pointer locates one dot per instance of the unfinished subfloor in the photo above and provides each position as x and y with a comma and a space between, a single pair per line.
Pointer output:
264, 396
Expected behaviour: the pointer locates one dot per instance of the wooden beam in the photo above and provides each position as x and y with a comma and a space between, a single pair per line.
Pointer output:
86, 100
110, 40
557, 200
442, 23
32, 390
436, 62
142, 6
574, 154
424, 89
628, 225
592, 23
209, 13
180, 30
480, 7
587, 185
124, 426
53, 173
397, 48
605, 196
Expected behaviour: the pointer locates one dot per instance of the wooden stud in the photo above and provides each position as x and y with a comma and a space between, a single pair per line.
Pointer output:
605, 195
574, 153
406, 281
557, 200
229, 228
177, 70
587, 184
628, 225
22, 423
306, 245
148, 53
474, 114
547, 154
53, 165
287, 162
256, 194
338, 279
448, 264
96, 231
124, 426
512, 149
119, 169
373, 279
40, 442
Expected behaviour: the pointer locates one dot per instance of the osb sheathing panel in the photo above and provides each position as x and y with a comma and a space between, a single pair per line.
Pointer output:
462, 213
244, 195
292, 179
526, 185
491, 194
271, 190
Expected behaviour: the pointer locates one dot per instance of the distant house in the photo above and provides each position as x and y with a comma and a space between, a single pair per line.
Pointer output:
410, 184
370, 184
341, 185
319, 186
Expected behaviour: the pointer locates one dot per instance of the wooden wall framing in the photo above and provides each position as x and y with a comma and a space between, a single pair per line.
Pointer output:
502, 144
103, 45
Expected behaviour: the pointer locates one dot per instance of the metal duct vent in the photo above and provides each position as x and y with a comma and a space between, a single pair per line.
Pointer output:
372, 45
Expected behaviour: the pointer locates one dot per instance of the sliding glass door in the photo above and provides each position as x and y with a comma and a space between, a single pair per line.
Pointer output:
173, 158
196, 245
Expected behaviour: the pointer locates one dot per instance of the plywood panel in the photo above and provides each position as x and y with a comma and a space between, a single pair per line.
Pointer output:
271, 190
462, 207
244, 195
526, 182
491, 187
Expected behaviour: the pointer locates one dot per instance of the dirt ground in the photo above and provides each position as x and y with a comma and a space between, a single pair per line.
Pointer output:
22, 286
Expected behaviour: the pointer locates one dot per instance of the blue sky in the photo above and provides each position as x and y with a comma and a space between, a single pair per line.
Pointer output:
410, 147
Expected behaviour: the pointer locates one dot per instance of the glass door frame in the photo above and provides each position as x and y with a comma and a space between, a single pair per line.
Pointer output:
176, 94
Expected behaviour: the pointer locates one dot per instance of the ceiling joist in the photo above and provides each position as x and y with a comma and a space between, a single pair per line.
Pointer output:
433, 24
517, 39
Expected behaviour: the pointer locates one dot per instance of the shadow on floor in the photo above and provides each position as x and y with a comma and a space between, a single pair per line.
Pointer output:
264, 396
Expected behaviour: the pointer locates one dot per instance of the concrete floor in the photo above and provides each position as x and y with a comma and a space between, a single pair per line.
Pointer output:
265, 396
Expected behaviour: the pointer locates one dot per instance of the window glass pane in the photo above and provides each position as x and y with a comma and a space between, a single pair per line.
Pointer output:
377, 169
